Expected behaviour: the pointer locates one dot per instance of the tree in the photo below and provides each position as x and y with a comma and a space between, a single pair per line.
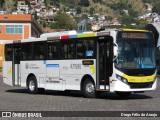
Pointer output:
133, 13
96, 1
10, 5
43, 24
47, 2
142, 23
108, 17
92, 11
130, 17
84, 3
89, 26
63, 21
78, 10
126, 19
156, 7
28, 2
2, 2
35, 15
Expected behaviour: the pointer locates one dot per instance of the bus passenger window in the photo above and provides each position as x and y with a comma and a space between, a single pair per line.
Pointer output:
39, 50
85, 49
26, 51
67, 50
80, 48
52, 50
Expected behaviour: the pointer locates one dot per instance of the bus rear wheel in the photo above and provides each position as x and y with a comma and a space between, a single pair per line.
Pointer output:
123, 94
32, 85
89, 90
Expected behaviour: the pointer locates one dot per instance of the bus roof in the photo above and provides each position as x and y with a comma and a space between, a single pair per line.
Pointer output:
55, 34
77, 35
133, 30
33, 39
64, 35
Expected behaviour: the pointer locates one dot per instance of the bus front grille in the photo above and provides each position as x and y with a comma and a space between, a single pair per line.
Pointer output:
140, 85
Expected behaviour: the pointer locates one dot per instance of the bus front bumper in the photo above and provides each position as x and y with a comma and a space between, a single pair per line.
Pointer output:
134, 87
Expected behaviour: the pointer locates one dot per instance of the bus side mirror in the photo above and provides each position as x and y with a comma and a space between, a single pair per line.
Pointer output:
115, 51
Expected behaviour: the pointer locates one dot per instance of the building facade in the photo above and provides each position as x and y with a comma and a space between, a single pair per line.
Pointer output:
17, 27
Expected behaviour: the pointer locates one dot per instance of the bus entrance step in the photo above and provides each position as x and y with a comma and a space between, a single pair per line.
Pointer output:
102, 90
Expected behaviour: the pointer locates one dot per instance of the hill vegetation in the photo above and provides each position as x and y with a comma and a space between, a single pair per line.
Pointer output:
126, 11
99, 5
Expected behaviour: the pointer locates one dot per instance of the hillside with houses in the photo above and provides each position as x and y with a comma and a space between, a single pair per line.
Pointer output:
85, 14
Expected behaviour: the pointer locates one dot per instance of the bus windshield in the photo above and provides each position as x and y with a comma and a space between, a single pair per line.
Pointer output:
135, 54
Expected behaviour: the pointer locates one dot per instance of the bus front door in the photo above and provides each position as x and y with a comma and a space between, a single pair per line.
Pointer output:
16, 65
104, 62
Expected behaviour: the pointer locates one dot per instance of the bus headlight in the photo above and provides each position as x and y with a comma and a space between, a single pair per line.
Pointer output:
124, 80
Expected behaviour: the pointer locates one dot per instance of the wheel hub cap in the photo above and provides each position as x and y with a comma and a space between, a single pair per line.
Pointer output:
90, 88
31, 85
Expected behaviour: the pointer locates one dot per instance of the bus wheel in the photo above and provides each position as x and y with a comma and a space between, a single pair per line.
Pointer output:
32, 85
89, 89
123, 94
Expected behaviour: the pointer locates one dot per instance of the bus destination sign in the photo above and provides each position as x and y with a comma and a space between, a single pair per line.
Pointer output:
134, 35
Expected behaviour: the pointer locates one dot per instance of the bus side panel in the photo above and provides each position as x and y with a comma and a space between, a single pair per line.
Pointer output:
67, 74
7, 72
53, 80
37, 68
57, 74
72, 72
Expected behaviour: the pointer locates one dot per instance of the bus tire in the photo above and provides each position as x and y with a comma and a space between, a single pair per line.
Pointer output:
32, 85
123, 94
89, 90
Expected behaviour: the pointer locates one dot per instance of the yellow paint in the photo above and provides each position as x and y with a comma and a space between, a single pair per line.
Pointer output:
92, 68
3, 54
134, 30
10, 70
141, 79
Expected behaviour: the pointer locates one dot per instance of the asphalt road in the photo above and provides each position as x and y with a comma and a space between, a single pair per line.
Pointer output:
18, 99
